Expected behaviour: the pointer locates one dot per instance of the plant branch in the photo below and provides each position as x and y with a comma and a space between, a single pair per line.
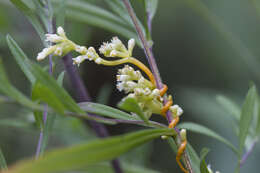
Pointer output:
40, 148
155, 70
82, 96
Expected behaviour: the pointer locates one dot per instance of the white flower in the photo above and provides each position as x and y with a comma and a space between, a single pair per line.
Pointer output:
45, 52
131, 45
120, 86
79, 59
58, 51
176, 110
81, 49
123, 77
54, 38
156, 92
183, 134
60, 31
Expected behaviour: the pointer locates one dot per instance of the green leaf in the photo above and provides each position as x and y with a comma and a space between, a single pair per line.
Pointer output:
203, 164
104, 93
229, 106
90, 153
7, 88
61, 78
118, 7
60, 13
47, 128
90, 14
127, 168
3, 165
236, 44
20, 57
15, 123
203, 153
44, 94
48, 83
208, 132
32, 17
150, 7
194, 158
107, 111
131, 105
247, 116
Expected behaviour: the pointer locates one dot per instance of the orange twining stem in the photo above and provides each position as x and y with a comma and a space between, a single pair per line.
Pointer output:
179, 154
163, 90
166, 107
174, 122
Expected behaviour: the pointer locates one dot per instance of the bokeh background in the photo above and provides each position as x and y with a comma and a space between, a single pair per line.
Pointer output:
201, 53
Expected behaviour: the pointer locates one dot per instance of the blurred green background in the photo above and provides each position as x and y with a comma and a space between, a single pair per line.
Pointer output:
201, 53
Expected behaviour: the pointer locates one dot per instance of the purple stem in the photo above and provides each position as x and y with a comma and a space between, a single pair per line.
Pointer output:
246, 155
156, 73
83, 96
45, 112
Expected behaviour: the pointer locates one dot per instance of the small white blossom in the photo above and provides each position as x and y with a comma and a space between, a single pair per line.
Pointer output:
54, 38
123, 77
81, 49
156, 92
58, 51
120, 86
79, 59
176, 110
131, 45
60, 31
183, 134
45, 52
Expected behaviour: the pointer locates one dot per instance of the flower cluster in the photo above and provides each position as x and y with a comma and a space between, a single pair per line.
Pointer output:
61, 47
143, 91
117, 49
131, 81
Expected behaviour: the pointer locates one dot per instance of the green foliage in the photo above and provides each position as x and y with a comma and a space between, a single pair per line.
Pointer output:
131, 105
246, 116
7, 88
229, 106
83, 155
3, 165
203, 165
208, 132
30, 14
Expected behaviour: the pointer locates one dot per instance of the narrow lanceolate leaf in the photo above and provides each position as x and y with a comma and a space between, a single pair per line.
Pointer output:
48, 83
118, 7
20, 57
30, 14
247, 116
79, 156
203, 164
194, 158
229, 106
208, 132
90, 14
3, 165
151, 7
107, 111
7, 88
131, 105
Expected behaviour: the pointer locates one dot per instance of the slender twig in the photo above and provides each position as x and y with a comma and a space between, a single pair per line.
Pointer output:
82, 96
45, 112
246, 155
155, 70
